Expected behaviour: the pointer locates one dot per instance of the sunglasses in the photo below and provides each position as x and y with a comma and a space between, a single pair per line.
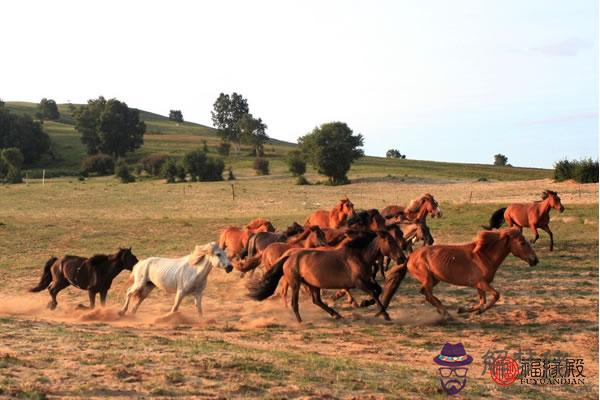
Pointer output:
447, 372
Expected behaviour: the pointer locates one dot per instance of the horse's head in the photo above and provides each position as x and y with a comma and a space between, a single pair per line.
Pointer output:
553, 199
260, 225
215, 255
423, 233
127, 259
317, 236
294, 229
433, 208
346, 207
388, 246
520, 246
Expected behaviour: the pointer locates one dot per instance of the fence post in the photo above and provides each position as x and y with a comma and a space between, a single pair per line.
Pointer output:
43, 177
232, 192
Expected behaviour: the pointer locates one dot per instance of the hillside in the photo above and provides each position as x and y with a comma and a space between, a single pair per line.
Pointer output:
164, 136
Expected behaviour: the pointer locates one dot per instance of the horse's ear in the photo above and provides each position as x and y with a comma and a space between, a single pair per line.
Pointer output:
544, 194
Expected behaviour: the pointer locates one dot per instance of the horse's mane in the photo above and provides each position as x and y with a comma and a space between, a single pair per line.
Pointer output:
294, 229
98, 260
547, 193
415, 204
487, 238
197, 255
362, 241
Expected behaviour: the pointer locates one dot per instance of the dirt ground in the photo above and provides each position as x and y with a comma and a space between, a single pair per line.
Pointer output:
247, 349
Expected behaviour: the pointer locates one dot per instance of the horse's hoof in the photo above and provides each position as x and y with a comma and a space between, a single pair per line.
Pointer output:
336, 316
367, 303
386, 317
52, 306
121, 313
82, 307
462, 310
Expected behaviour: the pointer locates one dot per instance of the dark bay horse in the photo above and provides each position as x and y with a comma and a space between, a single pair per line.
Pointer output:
260, 240
94, 274
333, 218
234, 240
416, 211
473, 264
347, 266
529, 215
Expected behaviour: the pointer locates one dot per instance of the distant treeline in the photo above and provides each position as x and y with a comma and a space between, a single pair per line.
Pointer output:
583, 171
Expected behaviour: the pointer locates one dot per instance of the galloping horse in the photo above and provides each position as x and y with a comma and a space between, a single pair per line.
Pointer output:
234, 240
183, 276
529, 215
334, 218
414, 232
259, 241
94, 274
472, 264
416, 211
311, 237
348, 266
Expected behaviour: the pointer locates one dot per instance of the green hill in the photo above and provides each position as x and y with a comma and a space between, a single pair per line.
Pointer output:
169, 137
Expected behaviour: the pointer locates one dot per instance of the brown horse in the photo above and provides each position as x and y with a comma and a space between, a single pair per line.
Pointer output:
311, 237
333, 218
94, 274
234, 240
416, 211
348, 266
529, 215
472, 264
415, 232
259, 241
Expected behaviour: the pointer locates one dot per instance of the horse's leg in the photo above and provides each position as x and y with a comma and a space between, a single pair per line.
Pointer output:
374, 290
476, 307
127, 300
55, 287
142, 294
178, 299
547, 230
483, 285
283, 291
427, 290
534, 230
295, 286
316, 298
198, 297
92, 296
103, 294
350, 298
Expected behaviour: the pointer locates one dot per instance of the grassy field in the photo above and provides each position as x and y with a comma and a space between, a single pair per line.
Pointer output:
168, 137
247, 349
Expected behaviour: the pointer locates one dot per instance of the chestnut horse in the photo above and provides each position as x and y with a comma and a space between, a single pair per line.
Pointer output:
311, 237
529, 215
348, 266
473, 264
416, 211
94, 274
334, 218
234, 240
259, 241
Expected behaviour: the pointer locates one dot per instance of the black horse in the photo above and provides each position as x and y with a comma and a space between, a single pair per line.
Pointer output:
94, 274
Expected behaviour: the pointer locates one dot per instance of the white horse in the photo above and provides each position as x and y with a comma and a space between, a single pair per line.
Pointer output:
183, 276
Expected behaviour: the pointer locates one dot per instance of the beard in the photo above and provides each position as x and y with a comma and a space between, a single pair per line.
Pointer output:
453, 386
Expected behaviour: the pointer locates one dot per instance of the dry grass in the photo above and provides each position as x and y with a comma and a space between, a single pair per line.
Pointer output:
249, 349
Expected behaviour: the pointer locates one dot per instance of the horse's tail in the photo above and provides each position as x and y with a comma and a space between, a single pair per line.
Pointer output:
496, 220
262, 288
393, 278
250, 263
46, 278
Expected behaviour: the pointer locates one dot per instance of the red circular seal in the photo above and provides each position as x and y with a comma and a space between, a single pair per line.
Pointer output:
504, 371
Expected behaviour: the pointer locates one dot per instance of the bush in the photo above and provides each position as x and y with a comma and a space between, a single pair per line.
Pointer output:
13, 176
153, 163
224, 149
204, 146
261, 166
203, 168
296, 163
169, 170
100, 164
181, 174
122, 172
22, 132
500, 160
13, 158
582, 171
301, 180
394, 153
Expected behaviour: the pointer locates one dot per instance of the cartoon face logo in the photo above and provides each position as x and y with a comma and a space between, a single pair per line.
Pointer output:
452, 371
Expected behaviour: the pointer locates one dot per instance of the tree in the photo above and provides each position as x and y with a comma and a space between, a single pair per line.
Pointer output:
22, 132
226, 114
110, 127
261, 166
332, 148
393, 153
122, 172
500, 160
252, 132
175, 115
11, 161
48, 110
296, 163
101, 164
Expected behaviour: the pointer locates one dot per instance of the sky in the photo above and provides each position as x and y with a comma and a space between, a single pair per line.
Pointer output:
438, 80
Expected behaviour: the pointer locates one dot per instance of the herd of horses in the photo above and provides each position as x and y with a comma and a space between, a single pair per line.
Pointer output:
341, 249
